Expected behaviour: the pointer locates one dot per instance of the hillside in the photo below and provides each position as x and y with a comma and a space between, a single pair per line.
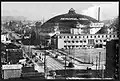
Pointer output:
15, 18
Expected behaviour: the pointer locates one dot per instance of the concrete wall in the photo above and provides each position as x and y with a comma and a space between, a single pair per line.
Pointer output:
89, 54
11, 73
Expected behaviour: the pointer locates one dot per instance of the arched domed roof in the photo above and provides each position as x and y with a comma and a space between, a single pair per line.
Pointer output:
68, 20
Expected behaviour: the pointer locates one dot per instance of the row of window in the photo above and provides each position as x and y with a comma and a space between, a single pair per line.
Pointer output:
83, 41
75, 41
100, 40
96, 36
75, 46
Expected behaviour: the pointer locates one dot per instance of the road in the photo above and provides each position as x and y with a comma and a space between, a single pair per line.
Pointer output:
57, 63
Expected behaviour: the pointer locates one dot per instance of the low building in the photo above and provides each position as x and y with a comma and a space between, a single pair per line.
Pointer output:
66, 41
5, 38
11, 71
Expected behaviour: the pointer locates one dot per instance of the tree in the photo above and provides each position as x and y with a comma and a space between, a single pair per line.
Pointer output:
33, 37
38, 24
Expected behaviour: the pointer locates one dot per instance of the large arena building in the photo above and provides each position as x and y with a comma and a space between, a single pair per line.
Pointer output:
71, 21
72, 30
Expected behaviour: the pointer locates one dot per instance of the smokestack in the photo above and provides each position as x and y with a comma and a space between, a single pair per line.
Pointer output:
98, 13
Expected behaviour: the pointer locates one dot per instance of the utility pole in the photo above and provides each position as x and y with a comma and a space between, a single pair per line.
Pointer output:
7, 54
45, 66
29, 48
99, 62
89, 57
96, 65
65, 66
70, 54
102, 71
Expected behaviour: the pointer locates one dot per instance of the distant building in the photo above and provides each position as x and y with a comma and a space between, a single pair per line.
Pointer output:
5, 38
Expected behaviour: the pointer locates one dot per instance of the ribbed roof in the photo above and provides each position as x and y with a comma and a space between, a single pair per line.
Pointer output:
70, 14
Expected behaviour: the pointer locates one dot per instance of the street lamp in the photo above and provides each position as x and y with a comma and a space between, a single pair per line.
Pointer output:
65, 66
96, 65
99, 59
29, 47
45, 65
7, 54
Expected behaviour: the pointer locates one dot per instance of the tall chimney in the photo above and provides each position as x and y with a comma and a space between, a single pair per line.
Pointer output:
98, 13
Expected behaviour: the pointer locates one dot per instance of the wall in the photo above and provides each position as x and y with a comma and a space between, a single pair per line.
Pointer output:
88, 54
71, 40
12, 73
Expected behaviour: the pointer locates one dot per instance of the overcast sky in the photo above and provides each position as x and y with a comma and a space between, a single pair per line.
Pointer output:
47, 10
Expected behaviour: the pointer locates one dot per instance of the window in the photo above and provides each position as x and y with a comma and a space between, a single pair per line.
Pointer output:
76, 41
73, 46
65, 41
100, 40
65, 46
80, 41
71, 36
7, 39
60, 37
104, 40
79, 37
67, 36
106, 36
75, 36
76, 46
83, 36
113, 35
85, 41
91, 36
87, 36
68, 41
110, 35
96, 40
72, 41
98, 36
68, 46
94, 36
64, 36
102, 36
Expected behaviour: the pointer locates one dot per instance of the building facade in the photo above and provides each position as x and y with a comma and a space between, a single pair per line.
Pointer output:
64, 22
65, 41
73, 30
5, 38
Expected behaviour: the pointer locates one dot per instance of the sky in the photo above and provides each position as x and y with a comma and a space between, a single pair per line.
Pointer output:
47, 10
